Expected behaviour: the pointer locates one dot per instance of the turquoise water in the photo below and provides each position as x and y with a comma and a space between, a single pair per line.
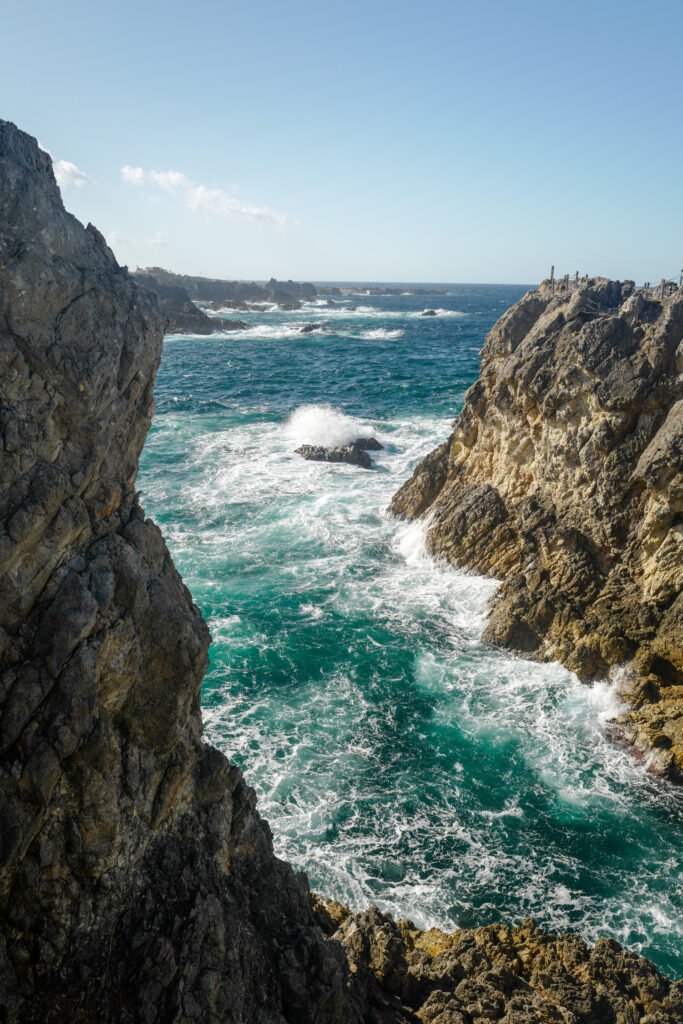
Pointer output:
398, 760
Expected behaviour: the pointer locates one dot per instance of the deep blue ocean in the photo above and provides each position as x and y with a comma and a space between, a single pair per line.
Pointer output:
398, 760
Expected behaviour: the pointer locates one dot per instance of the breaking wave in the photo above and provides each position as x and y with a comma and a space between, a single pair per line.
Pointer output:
398, 759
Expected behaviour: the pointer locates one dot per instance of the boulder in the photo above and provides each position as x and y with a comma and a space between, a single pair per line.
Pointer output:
353, 454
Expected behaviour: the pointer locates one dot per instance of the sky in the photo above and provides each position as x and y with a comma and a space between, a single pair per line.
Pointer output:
377, 141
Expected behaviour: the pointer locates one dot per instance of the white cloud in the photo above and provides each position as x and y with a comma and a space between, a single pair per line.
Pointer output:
133, 175
199, 197
171, 181
215, 200
158, 239
67, 173
116, 238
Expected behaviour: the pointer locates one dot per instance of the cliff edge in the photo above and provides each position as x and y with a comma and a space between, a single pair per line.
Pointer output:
563, 477
137, 880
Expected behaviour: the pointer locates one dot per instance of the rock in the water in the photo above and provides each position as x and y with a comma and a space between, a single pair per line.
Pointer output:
313, 452
564, 478
351, 453
309, 328
429, 312
369, 444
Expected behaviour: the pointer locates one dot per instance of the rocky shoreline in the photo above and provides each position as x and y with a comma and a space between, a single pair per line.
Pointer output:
563, 478
137, 879
182, 315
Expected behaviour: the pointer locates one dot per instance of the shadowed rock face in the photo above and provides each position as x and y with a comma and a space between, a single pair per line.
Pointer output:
564, 478
137, 880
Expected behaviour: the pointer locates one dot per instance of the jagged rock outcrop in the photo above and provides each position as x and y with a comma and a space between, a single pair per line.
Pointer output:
137, 880
564, 478
283, 292
352, 454
355, 453
512, 975
182, 316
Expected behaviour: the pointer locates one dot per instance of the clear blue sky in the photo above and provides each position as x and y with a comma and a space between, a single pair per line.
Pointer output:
439, 141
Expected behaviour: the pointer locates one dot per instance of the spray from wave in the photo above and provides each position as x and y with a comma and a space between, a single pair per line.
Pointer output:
382, 334
324, 425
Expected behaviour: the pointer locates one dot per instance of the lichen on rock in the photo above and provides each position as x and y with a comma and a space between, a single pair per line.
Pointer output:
563, 478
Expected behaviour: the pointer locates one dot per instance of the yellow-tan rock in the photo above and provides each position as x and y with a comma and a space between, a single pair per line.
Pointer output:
563, 478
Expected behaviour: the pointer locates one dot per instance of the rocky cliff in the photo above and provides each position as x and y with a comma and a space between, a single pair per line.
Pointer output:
137, 880
176, 305
228, 292
563, 477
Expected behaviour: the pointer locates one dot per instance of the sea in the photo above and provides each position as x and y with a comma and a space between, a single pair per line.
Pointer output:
399, 760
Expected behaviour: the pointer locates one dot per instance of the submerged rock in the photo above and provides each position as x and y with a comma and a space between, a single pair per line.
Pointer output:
429, 312
309, 328
564, 478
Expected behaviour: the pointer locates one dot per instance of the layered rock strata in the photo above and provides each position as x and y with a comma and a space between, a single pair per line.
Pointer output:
137, 880
563, 477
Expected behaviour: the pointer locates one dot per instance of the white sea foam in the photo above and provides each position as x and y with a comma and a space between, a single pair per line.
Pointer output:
439, 312
382, 334
273, 332
366, 830
324, 425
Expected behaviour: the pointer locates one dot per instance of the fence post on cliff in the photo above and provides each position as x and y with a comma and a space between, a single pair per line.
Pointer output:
661, 290
552, 280
576, 279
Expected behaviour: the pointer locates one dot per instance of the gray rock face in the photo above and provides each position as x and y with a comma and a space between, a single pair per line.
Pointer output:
224, 292
137, 880
182, 316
